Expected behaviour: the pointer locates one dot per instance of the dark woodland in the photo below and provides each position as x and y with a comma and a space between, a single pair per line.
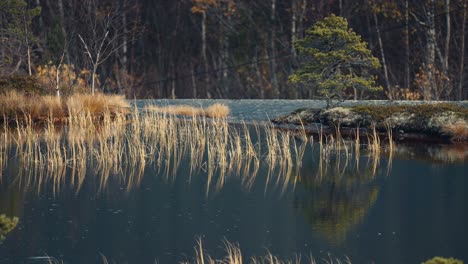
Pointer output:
227, 48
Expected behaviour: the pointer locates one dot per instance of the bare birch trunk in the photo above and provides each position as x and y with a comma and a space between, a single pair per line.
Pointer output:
29, 59
57, 81
93, 77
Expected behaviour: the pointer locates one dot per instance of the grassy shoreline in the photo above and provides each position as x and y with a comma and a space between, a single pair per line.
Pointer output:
19, 109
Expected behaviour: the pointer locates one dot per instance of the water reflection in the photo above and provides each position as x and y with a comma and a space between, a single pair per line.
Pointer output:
7, 224
336, 199
159, 172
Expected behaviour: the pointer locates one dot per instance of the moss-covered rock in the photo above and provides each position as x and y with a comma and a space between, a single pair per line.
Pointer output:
304, 116
442, 120
340, 116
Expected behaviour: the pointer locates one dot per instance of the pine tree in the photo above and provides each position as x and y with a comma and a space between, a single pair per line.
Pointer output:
335, 60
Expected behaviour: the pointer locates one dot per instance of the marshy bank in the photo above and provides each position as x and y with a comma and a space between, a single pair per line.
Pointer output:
20, 109
430, 122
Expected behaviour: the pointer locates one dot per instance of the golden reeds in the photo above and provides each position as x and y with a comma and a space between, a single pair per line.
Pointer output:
16, 107
234, 256
216, 110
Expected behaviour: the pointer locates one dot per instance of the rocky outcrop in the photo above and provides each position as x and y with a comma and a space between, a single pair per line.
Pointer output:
443, 121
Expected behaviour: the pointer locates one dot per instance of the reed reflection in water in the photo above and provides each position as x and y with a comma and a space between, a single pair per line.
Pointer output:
58, 156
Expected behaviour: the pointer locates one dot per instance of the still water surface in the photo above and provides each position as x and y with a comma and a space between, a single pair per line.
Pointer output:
412, 208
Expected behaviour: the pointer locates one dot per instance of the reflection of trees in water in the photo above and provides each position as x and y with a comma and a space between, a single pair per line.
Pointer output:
433, 153
7, 224
338, 200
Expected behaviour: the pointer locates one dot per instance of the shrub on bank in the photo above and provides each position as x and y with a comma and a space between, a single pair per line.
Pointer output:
28, 85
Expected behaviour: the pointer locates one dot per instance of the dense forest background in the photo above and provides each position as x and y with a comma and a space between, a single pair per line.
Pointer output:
227, 48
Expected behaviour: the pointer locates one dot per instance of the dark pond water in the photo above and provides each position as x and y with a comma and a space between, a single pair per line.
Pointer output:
413, 207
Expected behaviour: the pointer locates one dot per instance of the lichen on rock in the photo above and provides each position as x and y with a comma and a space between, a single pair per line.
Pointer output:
443, 121
340, 116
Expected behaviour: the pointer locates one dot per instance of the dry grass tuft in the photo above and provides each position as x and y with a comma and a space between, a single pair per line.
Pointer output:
214, 111
97, 104
16, 107
217, 110
457, 131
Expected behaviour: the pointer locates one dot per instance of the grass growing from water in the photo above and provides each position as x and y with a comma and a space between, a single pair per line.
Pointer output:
234, 256
113, 149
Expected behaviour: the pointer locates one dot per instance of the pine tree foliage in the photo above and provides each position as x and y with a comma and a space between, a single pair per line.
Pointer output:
335, 59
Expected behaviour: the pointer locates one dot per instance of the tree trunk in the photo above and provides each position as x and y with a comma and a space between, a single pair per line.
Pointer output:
384, 63
173, 83
274, 78
430, 56
259, 75
407, 48
462, 55
93, 77
447, 86
225, 45
57, 81
300, 27
294, 9
340, 6
62, 26
29, 59
204, 58
194, 80
124, 39
26, 39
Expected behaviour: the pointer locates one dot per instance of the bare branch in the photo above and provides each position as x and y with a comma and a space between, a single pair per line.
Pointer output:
86, 49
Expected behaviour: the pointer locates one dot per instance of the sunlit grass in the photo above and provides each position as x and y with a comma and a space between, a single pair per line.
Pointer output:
233, 255
214, 111
18, 109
